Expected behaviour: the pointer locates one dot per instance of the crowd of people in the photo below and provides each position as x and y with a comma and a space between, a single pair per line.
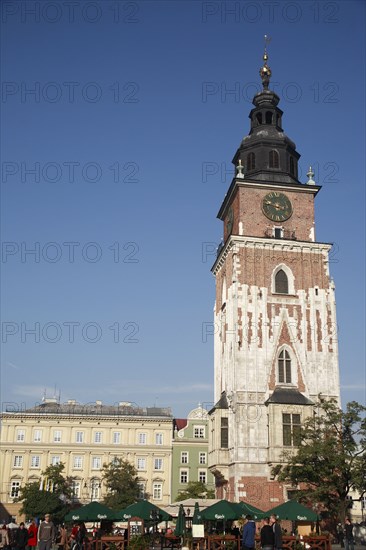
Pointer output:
46, 535
270, 534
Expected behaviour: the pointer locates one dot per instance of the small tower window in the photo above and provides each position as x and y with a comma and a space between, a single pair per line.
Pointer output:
258, 116
292, 166
250, 161
278, 232
281, 282
274, 161
269, 117
284, 367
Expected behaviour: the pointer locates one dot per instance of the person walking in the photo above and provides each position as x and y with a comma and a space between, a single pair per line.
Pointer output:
248, 540
21, 537
4, 538
267, 535
277, 532
32, 535
46, 533
63, 538
349, 542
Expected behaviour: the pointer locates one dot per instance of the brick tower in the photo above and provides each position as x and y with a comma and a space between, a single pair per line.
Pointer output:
275, 314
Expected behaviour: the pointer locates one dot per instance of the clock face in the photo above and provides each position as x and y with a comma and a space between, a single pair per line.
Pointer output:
277, 207
229, 219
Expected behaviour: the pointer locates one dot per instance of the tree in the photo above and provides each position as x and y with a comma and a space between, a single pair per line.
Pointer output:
195, 489
330, 459
52, 495
122, 485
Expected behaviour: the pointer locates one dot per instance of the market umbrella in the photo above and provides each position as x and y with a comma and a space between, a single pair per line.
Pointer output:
144, 510
94, 511
293, 511
180, 527
197, 518
249, 509
222, 511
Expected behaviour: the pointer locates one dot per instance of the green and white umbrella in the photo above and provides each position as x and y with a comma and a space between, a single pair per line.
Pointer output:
144, 510
222, 511
293, 511
180, 527
197, 517
94, 511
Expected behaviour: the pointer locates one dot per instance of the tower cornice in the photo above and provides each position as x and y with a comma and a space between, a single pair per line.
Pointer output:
274, 244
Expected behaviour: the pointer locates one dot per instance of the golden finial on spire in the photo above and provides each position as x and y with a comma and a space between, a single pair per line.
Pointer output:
265, 71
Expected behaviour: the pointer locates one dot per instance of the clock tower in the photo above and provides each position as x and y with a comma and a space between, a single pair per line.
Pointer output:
276, 345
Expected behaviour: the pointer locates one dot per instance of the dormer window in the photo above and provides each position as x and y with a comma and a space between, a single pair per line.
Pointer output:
274, 160
250, 161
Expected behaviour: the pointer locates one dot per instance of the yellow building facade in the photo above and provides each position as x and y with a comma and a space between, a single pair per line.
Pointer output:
84, 437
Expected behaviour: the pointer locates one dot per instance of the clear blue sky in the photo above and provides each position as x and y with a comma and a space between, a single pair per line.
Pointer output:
130, 129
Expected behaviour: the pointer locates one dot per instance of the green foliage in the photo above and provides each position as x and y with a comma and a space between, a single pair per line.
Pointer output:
195, 489
138, 542
121, 480
53, 498
330, 459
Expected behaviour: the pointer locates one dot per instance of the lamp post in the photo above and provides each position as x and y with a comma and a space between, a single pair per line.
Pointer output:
93, 485
188, 513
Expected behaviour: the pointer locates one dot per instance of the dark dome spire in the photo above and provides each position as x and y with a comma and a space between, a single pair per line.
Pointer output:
265, 71
266, 153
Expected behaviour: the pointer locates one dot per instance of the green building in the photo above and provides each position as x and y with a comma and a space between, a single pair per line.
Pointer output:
190, 452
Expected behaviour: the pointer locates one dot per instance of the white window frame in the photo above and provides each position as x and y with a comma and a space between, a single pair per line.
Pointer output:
202, 476
57, 436
77, 463
55, 460
141, 438
183, 476
14, 488
116, 438
98, 437
95, 489
184, 457
37, 436
79, 437
76, 489
199, 432
157, 491
159, 438
20, 435
202, 458
158, 464
18, 461
35, 461
141, 463
96, 463
142, 489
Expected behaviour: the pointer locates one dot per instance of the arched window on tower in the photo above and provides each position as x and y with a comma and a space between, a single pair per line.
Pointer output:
292, 166
284, 367
281, 282
250, 161
274, 161
269, 117
258, 116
